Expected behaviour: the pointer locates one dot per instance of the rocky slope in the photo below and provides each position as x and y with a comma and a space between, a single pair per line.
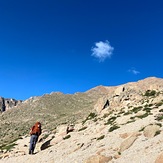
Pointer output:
123, 124
50, 109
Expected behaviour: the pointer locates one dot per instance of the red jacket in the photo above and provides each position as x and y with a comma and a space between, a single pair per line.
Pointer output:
36, 129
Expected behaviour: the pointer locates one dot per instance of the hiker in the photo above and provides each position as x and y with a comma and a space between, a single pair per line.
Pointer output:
35, 132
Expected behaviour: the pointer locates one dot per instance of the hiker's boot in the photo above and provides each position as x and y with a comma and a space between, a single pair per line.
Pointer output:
30, 152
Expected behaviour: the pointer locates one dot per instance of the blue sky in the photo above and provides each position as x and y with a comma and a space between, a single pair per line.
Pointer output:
74, 45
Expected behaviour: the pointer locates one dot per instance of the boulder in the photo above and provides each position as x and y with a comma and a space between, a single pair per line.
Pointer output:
150, 130
123, 119
119, 90
124, 135
101, 104
46, 144
56, 140
128, 142
61, 130
98, 159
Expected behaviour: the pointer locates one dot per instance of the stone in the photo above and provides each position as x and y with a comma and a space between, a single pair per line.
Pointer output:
98, 159
128, 142
117, 156
61, 130
150, 131
56, 140
45, 145
119, 90
124, 135
101, 104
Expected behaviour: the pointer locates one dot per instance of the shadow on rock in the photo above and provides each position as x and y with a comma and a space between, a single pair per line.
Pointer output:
46, 145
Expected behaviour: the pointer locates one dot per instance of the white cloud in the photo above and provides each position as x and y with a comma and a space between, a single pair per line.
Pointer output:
102, 50
134, 71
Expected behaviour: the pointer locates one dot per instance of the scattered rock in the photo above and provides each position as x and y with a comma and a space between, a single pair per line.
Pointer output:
150, 130
124, 135
61, 130
128, 142
98, 159
117, 156
46, 144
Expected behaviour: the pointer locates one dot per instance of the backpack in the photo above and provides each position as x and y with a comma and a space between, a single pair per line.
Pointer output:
36, 129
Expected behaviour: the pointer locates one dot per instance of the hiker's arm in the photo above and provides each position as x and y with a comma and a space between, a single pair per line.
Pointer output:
30, 132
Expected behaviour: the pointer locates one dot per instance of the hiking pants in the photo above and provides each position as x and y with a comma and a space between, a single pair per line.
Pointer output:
33, 142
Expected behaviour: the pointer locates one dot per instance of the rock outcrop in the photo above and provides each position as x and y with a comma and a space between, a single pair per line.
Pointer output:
131, 94
6, 103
